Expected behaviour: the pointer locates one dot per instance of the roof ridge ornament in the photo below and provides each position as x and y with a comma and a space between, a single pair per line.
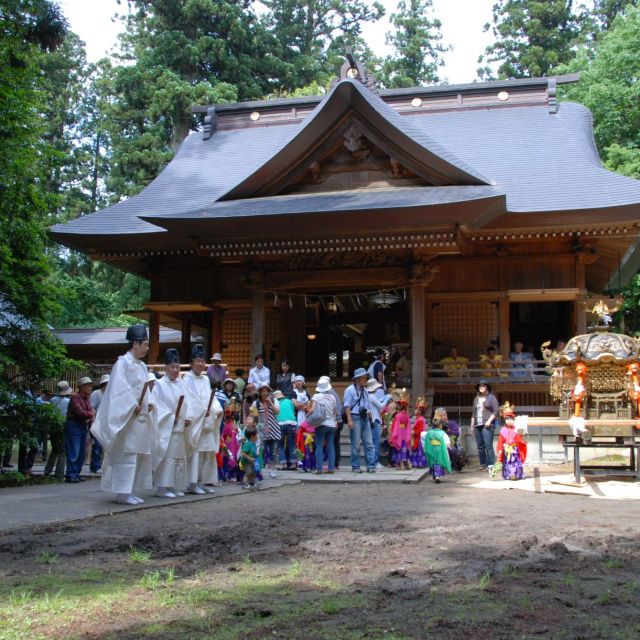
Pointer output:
353, 69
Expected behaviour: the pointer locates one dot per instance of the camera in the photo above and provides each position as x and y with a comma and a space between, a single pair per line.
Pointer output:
363, 413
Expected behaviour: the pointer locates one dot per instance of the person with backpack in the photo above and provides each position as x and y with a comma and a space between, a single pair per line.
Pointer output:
324, 402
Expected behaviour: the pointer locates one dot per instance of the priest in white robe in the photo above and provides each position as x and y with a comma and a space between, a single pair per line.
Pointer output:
170, 458
125, 424
203, 439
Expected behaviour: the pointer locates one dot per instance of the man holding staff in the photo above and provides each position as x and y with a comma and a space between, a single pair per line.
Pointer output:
126, 425
203, 439
170, 459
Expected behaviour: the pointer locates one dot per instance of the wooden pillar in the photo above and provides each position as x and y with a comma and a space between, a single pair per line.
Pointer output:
215, 331
505, 336
418, 325
418, 340
257, 314
580, 311
580, 307
186, 340
297, 330
154, 337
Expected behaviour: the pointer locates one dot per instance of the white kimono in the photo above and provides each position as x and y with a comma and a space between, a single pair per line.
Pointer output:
170, 458
128, 438
204, 434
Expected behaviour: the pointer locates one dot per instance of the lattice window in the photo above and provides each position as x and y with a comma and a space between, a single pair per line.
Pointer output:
236, 338
470, 326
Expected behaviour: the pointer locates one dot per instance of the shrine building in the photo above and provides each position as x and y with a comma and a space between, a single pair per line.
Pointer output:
319, 227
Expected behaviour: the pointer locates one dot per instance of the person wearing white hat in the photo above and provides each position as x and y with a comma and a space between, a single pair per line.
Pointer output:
80, 415
57, 456
216, 372
126, 423
358, 410
325, 432
203, 439
95, 464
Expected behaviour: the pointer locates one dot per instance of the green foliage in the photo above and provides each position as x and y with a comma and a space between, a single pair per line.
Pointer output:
417, 46
28, 351
312, 36
99, 298
531, 37
609, 87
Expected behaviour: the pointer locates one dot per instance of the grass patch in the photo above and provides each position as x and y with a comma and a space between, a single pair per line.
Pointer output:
46, 557
139, 556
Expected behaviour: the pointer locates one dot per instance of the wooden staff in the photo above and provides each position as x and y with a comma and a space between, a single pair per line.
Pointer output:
210, 401
180, 401
144, 392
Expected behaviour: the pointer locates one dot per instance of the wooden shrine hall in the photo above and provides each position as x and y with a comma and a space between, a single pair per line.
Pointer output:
317, 228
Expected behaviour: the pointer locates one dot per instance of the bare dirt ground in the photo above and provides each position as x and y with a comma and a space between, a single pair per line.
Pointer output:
333, 561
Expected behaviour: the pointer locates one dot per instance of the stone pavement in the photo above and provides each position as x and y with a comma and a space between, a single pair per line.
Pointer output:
57, 503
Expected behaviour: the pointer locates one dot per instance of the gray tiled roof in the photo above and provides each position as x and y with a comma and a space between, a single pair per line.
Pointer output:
542, 161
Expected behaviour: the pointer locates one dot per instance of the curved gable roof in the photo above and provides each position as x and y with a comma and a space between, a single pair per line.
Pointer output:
396, 135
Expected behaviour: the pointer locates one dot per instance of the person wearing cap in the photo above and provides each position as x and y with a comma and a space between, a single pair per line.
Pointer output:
288, 422
126, 423
57, 456
325, 432
203, 439
377, 368
484, 414
284, 379
216, 372
259, 374
358, 410
240, 381
170, 458
96, 448
80, 415
379, 400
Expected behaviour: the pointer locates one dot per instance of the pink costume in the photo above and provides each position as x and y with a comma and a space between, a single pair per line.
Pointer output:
400, 438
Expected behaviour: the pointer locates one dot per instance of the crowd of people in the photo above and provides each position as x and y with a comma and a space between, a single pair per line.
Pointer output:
190, 431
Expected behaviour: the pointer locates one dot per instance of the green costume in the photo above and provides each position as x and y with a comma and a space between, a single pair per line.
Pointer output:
435, 449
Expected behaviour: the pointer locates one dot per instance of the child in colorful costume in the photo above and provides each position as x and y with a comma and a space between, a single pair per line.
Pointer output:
387, 414
512, 449
436, 445
306, 446
418, 458
451, 428
229, 441
400, 438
